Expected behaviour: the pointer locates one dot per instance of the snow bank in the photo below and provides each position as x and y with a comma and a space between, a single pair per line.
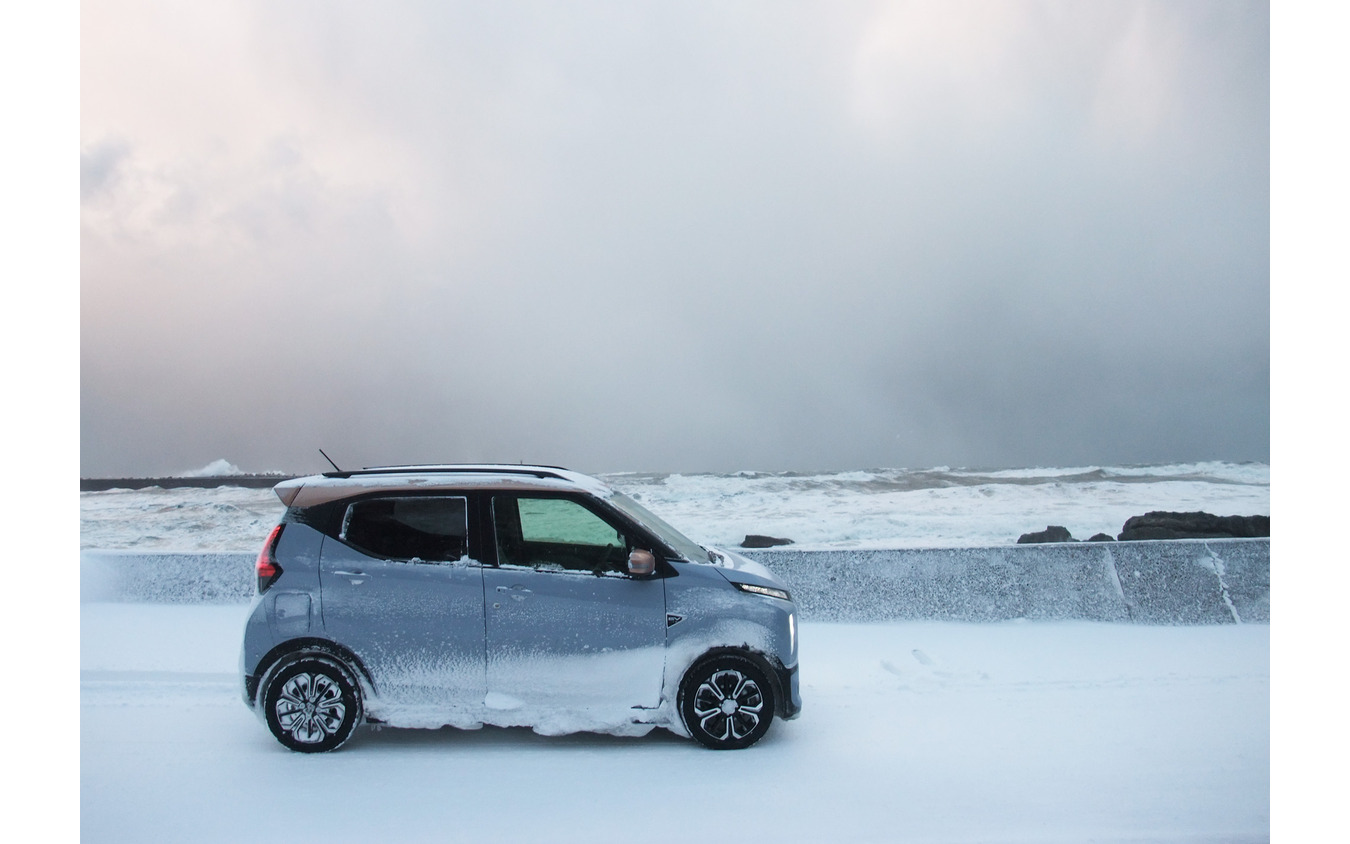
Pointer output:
1158, 582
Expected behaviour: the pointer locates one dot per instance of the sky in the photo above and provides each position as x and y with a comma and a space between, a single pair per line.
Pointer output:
656, 237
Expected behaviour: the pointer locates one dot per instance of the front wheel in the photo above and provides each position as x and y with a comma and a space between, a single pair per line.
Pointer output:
312, 705
726, 702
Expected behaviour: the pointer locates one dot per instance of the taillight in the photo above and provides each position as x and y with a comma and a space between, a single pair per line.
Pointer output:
268, 568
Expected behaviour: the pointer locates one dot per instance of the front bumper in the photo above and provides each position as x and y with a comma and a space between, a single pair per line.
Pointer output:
790, 701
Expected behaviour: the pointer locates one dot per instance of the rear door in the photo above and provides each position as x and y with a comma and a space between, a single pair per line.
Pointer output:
568, 630
403, 588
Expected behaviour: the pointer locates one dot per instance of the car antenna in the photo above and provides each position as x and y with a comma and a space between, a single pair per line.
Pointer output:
330, 461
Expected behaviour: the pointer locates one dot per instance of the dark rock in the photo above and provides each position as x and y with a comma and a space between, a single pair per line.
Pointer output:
1165, 525
1101, 537
1052, 533
754, 540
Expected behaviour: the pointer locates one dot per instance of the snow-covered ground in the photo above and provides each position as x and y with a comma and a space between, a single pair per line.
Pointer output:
923, 731
883, 508
1044, 732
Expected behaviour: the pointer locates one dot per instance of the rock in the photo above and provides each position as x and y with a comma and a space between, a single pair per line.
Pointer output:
1101, 537
1052, 533
754, 540
1165, 525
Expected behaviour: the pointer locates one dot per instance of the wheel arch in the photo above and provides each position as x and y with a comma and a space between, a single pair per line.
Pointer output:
294, 649
766, 662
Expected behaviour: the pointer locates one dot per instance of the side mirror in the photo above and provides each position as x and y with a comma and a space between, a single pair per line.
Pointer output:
641, 563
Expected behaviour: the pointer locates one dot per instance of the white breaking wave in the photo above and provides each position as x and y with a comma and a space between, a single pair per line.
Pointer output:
214, 469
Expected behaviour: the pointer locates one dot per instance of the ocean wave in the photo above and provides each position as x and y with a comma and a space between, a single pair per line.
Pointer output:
873, 508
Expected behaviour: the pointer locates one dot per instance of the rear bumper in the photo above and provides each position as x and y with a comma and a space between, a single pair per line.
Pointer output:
250, 689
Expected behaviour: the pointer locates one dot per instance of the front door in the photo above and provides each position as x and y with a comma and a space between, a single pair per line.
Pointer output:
572, 639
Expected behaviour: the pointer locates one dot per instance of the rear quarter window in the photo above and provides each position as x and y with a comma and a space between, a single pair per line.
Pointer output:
432, 529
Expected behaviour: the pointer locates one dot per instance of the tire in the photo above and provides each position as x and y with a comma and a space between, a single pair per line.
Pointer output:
727, 702
313, 704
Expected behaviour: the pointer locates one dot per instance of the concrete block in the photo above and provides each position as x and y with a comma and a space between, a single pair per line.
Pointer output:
138, 577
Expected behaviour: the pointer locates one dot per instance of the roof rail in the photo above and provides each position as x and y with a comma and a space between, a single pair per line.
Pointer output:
459, 468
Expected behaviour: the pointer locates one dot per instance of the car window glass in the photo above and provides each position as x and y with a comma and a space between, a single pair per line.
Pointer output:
430, 529
556, 533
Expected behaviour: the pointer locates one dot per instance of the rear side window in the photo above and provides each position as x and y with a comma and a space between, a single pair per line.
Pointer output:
431, 529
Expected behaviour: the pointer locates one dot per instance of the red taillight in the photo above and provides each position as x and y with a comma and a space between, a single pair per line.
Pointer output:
267, 567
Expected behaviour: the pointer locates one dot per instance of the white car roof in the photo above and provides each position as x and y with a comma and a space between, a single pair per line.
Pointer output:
331, 486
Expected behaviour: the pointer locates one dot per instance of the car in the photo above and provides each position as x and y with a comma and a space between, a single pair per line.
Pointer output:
508, 595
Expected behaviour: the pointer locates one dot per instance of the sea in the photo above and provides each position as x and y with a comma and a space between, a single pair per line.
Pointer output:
940, 507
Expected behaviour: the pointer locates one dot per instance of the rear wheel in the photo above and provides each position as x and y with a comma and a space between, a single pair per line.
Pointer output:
727, 702
313, 705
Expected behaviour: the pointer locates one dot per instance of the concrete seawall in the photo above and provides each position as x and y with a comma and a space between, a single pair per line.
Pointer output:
1158, 582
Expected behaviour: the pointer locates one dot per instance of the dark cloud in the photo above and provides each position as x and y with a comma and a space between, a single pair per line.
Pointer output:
715, 237
98, 167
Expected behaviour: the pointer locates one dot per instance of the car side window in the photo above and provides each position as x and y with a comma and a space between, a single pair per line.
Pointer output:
417, 528
556, 533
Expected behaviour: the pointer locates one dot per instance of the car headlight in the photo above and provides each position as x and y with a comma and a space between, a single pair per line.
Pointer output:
763, 590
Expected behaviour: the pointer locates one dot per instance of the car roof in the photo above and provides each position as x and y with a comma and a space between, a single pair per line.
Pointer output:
333, 486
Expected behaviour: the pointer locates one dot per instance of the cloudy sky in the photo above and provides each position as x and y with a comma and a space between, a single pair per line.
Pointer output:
673, 237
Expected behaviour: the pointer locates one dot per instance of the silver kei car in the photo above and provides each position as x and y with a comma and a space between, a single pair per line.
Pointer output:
464, 595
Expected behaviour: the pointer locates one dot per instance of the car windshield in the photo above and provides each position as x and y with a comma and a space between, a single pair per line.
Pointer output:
688, 548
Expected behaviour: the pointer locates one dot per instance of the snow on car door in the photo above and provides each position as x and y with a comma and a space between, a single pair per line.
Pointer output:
404, 592
573, 642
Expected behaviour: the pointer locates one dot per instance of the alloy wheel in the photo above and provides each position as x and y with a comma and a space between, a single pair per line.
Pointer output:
310, 707
728, 705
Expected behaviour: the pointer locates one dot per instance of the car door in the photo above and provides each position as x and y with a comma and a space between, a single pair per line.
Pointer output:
403, 589
568, 630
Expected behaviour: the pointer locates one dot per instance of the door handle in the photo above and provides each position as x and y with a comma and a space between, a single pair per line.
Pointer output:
517, 593
350, 573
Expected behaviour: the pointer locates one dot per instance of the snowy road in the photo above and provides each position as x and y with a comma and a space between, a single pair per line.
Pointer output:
911, 732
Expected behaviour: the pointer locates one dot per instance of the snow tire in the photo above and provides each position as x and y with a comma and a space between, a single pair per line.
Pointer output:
313, 704
727, 702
